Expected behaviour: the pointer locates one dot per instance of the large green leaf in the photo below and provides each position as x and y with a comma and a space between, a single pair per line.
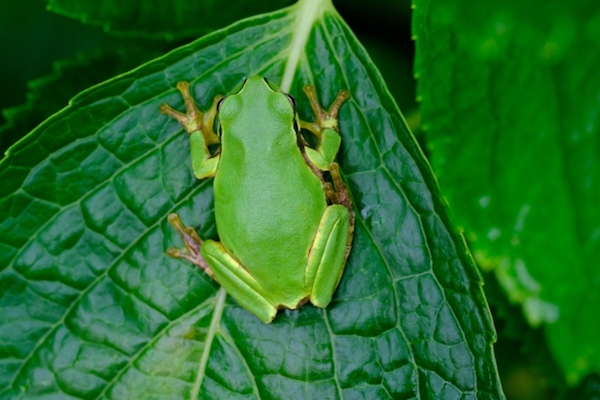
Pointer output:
158, 19
511, 100
90, 305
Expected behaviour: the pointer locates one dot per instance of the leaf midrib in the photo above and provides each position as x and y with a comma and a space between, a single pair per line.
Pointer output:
215, 323
307, 14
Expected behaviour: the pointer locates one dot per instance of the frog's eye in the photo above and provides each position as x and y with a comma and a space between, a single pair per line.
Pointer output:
292, 100
219, 104
273, 86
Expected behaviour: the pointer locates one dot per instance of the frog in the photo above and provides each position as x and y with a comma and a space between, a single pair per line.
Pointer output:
283, 213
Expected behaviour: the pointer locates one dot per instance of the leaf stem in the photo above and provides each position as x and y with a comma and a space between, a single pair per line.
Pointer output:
308, 11
214, 324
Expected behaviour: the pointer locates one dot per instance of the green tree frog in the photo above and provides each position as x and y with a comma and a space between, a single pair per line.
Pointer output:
285, 232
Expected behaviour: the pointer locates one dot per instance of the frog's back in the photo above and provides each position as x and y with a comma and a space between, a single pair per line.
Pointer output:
268, 202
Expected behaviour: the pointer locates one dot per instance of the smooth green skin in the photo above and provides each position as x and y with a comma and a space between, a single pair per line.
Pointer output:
281, 243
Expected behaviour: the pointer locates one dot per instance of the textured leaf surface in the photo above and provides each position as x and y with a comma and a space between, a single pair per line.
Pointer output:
511, 99
90, 305
158, 19
51, 93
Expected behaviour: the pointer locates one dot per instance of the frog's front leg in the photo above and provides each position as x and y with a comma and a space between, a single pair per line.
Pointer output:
325, 128
238, 282
200, 127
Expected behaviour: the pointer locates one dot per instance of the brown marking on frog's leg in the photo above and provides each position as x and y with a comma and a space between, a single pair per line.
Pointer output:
331, 194
302, 302
302, 144
343, 198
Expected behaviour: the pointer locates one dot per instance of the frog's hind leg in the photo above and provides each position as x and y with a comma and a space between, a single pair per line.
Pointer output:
225, 270
328, 254
238, 282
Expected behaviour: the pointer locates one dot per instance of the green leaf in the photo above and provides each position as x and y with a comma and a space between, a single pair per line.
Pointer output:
161, 19
90, 305
511, 101
51, 93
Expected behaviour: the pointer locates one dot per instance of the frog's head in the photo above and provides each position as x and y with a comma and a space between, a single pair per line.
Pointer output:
257, 85
259, 105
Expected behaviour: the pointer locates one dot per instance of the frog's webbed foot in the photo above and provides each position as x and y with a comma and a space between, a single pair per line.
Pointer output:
325, 129
200, 127
323, 119
193, 120
192, 243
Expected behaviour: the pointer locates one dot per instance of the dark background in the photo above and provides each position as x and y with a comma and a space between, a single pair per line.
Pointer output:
31, 39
